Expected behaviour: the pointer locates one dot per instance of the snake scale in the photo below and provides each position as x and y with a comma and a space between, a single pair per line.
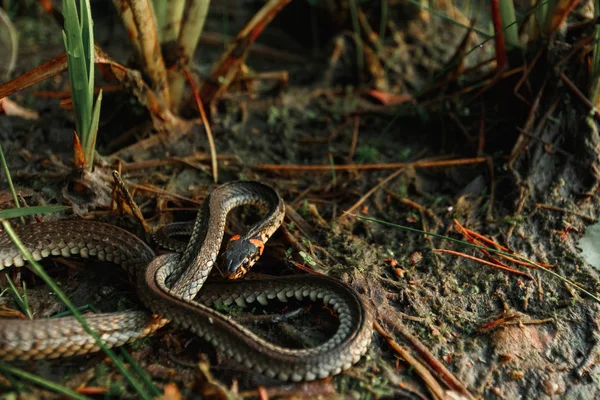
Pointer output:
182, 301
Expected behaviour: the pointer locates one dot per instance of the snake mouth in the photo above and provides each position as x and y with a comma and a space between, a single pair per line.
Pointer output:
238, 273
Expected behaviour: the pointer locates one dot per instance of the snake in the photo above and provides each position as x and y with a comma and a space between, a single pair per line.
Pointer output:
172, 286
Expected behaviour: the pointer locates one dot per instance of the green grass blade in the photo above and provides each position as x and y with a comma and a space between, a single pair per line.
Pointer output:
141, 373
22, 301
540, 15
173, 20
87, 38
495, 251
36, 380
511, 34
21, 212
160, 12
37, 268
78, 70
93, 134
9, 180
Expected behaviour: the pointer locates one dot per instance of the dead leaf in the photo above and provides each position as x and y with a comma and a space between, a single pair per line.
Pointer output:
388, 99
9, 107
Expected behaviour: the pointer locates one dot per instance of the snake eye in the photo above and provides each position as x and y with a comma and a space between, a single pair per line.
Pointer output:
239, 258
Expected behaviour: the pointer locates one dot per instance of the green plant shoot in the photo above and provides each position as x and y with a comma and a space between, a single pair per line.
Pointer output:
78, 36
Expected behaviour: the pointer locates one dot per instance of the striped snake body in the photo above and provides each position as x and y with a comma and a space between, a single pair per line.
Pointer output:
183, 302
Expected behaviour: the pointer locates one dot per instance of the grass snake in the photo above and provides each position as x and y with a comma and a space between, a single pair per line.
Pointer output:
182, 301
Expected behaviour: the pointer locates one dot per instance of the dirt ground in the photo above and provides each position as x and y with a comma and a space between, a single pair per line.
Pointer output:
528, 181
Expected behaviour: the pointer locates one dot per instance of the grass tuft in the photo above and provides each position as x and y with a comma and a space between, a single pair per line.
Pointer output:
78, 37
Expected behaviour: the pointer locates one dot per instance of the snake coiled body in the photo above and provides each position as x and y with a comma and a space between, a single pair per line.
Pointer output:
183, 302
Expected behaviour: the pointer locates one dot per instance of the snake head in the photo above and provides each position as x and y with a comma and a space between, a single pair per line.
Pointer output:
240, 256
